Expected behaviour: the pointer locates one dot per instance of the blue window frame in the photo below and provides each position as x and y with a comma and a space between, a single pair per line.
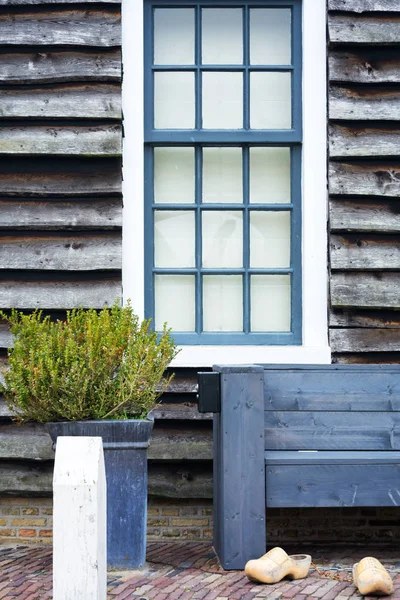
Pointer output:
265, 256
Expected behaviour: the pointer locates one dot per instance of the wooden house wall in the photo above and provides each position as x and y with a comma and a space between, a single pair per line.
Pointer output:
60, 202
364, 179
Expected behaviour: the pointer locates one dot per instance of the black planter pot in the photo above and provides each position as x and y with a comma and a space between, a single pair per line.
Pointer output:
125, 446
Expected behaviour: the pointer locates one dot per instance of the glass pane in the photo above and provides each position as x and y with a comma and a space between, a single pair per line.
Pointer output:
174, 36
175, 302
269, 239
270, 175
270, 302
174, 100
222, 239
222, 37
270, 101
222, 100
222, 175
270, 36
174, 237
222, 303
174, 175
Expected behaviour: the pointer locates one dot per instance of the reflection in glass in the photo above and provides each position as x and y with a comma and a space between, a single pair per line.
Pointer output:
173, 100
174, 237
222, 303
269, 175
174, 36
173, 175
175, 302
222, 37
269, 239
222, 100
222, 175
270, 100
270, 303
270, 36
222, 239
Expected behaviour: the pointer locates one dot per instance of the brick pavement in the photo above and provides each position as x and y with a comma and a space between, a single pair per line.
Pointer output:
190, 571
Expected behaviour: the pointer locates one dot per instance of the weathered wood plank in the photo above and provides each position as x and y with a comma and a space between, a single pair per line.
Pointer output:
353, 252
363, 104
360, 6
59, 177
365, 340
179, 412
332, 485
352, 29
366, 179
367, 358
96, 140
364, 66
24, 479
95, 27
57, 214
366, 318
86, 252
365, 215
62, 102
365, 290
360, 142
32, 442
56, 67
324, 430
60, 294
325, 389
5, 337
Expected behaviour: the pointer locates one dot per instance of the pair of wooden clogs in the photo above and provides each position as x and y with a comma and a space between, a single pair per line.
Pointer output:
369, 574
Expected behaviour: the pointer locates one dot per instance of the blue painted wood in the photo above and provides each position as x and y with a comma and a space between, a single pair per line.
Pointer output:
244, 138
343, 484
125, 446
239, 478
329, 457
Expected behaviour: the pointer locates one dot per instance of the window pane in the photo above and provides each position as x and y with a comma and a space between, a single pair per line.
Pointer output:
270, 36
174, 36
270, 101
174, 302
222, 239
270, 302
222, 175
174, 100
222, 303
174, 237
222, 100
222, 37
269, 239
270, 175
174, 175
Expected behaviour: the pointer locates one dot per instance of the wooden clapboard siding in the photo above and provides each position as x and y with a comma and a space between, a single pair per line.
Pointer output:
364, 179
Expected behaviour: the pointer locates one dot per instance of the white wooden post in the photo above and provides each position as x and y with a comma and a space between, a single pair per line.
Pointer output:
79, 525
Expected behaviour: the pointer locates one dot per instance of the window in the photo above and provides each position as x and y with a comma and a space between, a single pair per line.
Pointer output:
227, 206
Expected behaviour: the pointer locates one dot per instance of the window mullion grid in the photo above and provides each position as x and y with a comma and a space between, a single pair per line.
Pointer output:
198, 237
246, 73
246, 240
198, 74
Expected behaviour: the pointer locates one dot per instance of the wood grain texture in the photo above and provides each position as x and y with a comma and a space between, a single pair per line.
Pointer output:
367, 358
365, 318
360, 6
371, 30
365, 290
364, 65
60, 294
353, 252
96, 140
59, 177
79, 27
179, 412
28, 478
57, 67
323, 430
79, 213
364, 215
364, 340
62, 102
361, 142
363, 104
364, 179
86, 252
333, 485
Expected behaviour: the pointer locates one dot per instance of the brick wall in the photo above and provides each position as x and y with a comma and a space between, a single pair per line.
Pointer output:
29, 520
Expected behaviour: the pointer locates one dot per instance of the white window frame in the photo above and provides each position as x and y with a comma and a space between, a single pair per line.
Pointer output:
315, 348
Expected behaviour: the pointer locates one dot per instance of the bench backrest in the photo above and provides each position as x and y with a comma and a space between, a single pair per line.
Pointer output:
338, 407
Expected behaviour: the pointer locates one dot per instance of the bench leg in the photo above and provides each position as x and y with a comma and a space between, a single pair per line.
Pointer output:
239, 472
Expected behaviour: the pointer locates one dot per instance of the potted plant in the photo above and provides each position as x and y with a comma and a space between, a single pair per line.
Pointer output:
98, 373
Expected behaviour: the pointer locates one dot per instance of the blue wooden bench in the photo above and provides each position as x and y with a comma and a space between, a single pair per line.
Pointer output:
297, 436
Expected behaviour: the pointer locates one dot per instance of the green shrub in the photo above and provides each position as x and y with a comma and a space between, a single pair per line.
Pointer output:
93, 365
